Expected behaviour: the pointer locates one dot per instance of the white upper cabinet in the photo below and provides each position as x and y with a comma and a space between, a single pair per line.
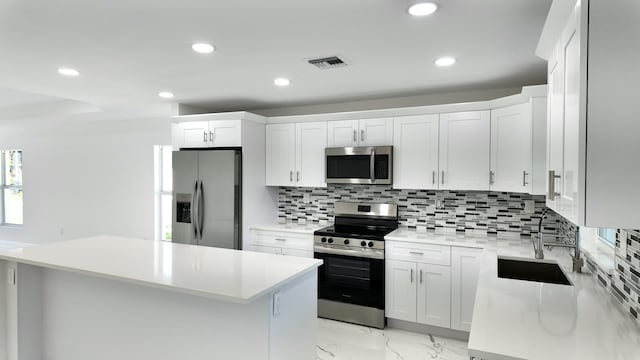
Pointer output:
465, 150
295, 154
202, 134
366, 132
343, 133
311, 140
415, 148
280, 154
511, 148
376, 132
593, 127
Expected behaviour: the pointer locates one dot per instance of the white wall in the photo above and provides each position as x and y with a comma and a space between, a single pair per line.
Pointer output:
86, 175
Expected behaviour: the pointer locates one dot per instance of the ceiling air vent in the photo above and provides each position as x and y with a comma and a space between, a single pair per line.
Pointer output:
328, 63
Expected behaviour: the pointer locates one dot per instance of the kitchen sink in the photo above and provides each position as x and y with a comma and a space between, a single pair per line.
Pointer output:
532, 270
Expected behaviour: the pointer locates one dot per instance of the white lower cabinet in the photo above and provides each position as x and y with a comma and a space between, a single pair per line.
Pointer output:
433, 290
434, 295
282, 243
465, 266
418, 292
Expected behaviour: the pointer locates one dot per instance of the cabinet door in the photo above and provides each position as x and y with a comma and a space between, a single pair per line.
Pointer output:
400, 290
570, 175
194, 134
311, 140
267, 249
465, 265
464, 150
511, 148
342, 133
415, 152
298, 253
225, 133
280, 154
376, 132
434, 295
555, 133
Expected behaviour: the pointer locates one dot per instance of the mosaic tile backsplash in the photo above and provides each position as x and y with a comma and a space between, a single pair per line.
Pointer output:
625, 283
483, 212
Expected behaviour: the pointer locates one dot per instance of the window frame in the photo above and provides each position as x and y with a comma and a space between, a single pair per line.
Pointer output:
604, 239
3, 187
158, 191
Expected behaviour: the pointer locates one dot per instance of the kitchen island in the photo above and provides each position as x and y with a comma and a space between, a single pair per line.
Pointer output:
120, 298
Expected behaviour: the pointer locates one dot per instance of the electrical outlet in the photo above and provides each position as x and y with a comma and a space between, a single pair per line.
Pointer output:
306, 198
276, 304
529, 206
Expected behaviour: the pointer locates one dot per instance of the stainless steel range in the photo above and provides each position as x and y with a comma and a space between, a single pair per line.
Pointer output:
351, 280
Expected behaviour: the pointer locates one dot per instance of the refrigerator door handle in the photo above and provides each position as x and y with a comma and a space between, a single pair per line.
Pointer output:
201, 210
194, 210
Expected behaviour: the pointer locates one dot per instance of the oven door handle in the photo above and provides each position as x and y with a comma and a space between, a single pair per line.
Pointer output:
370, 254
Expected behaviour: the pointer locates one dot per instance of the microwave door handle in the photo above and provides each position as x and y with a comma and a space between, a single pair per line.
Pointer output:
372, 166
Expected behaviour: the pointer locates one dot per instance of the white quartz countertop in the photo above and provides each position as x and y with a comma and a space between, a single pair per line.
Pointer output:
516, 319
220, 274
431, 237
290, 227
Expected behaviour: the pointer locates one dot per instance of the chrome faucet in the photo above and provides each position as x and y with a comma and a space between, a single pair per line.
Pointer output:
538, 246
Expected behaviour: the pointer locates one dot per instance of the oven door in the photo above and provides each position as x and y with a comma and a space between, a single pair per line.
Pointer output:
359, 165
350, 279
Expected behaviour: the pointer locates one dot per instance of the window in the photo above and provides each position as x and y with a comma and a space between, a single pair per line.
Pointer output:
608, 236
11, 187
163, 187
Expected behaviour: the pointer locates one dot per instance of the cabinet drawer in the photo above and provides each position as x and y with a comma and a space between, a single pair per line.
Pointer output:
282, 239
420, 253
267, 249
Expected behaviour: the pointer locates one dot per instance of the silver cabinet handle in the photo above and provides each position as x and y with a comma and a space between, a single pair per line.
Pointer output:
205, 136
420, 276
416, 253
211, 133
361, 135
524, 178
280, 239
552, 185
290, 176
492, 177
442, 178
298, 176
411, 275
355, 136
433, 177
201, 210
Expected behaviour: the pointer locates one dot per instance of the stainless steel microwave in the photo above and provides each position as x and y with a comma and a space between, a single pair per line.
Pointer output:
359, 165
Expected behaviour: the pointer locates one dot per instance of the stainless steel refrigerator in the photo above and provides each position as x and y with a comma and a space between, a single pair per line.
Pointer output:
206, 198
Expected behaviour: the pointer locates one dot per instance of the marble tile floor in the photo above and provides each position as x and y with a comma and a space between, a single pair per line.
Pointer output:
341, 341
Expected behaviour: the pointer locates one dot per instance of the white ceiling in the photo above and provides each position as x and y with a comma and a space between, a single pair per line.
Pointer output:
128, 50
11, 98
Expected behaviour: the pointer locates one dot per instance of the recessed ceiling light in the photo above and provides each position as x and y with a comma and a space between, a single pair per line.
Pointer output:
423, 9
165, 94
282, 82
445, 61
203, 48
68, 72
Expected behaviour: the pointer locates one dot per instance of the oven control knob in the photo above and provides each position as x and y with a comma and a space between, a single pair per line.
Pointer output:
364, 243
346, 242
370, 243
323, 240
330, 240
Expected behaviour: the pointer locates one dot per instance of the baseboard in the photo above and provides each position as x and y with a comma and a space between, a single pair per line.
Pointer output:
427, 329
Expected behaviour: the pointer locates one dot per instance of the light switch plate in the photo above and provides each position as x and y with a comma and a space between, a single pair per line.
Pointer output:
305, 198
529, 206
